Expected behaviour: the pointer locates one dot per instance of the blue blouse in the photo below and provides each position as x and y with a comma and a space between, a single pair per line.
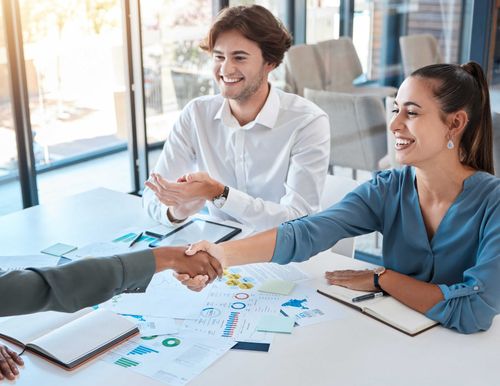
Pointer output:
463, 257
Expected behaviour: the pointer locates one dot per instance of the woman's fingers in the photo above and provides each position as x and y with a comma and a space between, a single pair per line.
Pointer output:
196, 247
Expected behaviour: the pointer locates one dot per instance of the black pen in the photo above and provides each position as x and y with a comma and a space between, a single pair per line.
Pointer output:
136, 239
373, 295
153, 234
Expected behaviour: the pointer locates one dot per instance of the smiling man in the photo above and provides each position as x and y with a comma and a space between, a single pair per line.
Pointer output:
254, 153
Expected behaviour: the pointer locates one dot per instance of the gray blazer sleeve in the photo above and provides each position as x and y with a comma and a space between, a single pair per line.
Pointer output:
74, 285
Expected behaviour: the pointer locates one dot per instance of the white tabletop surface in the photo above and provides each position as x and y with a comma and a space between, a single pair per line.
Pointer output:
354, 350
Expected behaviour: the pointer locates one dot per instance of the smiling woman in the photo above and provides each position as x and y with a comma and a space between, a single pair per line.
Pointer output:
440, 214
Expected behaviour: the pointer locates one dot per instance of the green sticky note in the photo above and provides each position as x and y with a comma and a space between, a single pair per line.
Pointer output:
276, 323
281, 287
58, 249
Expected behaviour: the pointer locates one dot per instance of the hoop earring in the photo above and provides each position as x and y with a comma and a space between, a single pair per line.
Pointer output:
450, 145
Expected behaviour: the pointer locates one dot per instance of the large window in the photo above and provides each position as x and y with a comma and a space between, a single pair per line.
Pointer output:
323, 20
74, 65
10, 192
176, 70
379, 24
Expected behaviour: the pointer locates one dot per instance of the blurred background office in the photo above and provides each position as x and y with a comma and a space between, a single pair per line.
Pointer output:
89, 89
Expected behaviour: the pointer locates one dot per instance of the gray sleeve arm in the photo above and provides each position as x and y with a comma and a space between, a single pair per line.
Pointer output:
74, 285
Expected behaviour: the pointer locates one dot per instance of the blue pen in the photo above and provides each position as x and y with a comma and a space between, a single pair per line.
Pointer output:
136, 239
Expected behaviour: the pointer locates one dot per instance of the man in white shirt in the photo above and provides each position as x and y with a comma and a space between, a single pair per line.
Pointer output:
254, 153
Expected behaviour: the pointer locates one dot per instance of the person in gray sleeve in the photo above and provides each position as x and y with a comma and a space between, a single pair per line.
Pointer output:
87, 282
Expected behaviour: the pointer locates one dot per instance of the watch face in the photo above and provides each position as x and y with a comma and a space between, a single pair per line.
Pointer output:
379, 270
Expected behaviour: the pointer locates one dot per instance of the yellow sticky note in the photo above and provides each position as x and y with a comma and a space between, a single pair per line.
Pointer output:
281, 287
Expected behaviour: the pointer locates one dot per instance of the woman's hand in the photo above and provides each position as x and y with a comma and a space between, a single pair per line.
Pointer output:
9, 361
199, 282
356, 280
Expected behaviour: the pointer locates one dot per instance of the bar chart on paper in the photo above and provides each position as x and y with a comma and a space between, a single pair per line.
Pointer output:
231, 324
124, 362
142, 350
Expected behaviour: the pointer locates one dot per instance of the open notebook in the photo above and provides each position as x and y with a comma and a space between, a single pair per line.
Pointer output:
68, 340
385, 309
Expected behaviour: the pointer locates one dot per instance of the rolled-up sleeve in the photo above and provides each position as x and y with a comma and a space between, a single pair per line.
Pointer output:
470, 306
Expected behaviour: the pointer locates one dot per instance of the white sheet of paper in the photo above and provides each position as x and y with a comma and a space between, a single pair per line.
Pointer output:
16, 263
150, 325
165, 297
174, 360
308, 307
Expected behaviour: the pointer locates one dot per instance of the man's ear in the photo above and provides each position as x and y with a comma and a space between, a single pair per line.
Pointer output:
269, 66
457, 122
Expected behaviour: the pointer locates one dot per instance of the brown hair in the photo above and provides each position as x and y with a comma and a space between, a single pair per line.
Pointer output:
255, 23
464, 87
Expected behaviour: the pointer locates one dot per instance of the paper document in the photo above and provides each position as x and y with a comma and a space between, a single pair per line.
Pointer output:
16, 263
308, 307
149, 325
174, 360
164, 297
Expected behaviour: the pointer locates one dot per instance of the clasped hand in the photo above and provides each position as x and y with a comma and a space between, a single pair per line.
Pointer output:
198, 282
187, 195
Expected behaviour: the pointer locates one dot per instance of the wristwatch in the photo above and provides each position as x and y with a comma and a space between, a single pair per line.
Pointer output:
220, 200
377, 272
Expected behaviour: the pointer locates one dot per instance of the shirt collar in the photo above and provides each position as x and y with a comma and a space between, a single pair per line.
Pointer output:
267, 116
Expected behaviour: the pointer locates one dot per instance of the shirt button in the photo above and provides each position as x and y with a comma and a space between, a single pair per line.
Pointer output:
476, 288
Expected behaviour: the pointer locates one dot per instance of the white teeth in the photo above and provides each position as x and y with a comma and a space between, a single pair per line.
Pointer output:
400, 141
231, 80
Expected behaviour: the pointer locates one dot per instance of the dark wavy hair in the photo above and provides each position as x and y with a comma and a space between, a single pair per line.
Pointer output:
464, 87
256, 23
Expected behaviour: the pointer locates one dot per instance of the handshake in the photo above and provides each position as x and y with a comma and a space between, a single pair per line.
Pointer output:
195, 267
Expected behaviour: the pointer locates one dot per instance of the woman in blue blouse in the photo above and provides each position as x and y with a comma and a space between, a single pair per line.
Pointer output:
440, 214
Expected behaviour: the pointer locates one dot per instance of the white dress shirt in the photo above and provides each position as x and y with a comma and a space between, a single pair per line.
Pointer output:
275, 166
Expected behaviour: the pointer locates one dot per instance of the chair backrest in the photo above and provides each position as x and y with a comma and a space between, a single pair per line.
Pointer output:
358, 128
418, 51
336, 187
301, 69
340, 63
496, 142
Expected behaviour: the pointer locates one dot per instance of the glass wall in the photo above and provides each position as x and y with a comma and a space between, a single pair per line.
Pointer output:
378, 26
323, 20
74, 64
10, 191
176, 70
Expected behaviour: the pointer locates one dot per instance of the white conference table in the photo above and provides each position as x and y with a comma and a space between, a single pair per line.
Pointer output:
354, 350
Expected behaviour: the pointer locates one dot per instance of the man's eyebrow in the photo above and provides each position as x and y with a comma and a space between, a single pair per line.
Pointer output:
239, 52
409, 103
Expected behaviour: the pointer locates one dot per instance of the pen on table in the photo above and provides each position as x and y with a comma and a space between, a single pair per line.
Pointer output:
153, 234
136, 239
373, 295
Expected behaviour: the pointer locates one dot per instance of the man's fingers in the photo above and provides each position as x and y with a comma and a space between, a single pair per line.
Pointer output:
212, 274
7, 366
196, 176
216, 265
152, 186
15, 357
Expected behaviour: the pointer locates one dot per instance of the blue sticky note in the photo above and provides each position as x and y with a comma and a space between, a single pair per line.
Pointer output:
276, 323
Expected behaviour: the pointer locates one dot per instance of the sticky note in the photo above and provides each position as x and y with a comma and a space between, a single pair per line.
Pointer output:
276, 323
58, 249
281, 287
